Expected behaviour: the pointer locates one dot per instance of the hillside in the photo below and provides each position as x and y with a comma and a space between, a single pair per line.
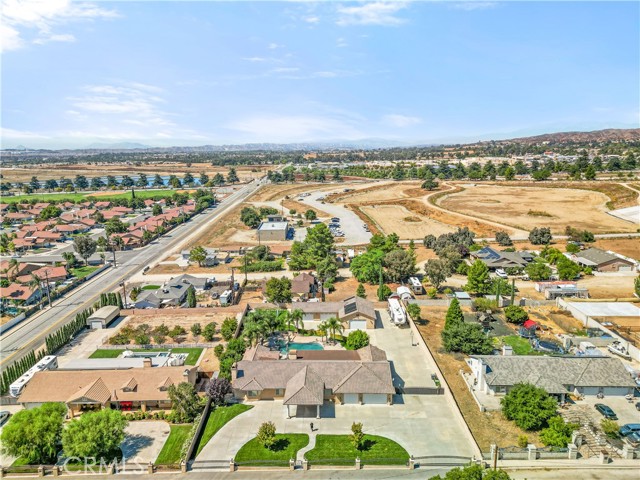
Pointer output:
608, 135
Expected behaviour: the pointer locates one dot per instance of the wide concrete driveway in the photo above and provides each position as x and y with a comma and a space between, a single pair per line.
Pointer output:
423, 424
144, 440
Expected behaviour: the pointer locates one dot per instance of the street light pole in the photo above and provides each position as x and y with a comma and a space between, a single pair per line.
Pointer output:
124, 289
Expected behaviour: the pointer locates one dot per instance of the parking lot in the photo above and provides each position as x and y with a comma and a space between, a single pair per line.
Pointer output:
350, 223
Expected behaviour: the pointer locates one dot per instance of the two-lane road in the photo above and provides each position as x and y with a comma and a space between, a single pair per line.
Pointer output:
31, 333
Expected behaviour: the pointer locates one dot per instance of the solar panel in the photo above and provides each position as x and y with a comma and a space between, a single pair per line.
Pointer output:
350, 308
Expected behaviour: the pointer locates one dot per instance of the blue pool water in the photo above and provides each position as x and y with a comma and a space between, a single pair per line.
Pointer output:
301, 346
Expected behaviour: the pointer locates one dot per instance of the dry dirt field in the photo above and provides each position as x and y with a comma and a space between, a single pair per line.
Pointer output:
529, 207
487, 427
629, 247
49, 171
406, 224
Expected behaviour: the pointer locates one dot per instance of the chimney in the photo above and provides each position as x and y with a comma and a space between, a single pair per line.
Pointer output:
146, 363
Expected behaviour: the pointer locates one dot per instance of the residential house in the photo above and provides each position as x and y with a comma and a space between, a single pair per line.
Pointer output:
52, 274
304, 286
559, 376
19, 294
172, 293
89, 390
213, 256
603, 261
495, 259
362, 377
355, 313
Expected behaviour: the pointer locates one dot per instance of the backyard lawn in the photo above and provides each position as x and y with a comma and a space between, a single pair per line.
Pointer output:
192, 358
82, 272
253, 453
170, 452
218, 419
338, 450
521, 346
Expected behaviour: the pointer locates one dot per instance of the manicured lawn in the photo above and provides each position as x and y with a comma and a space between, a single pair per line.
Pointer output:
337, 450
218, 419
75, 197
82, 272
151, 287
521, 346
192, 358
253, 453
170, 452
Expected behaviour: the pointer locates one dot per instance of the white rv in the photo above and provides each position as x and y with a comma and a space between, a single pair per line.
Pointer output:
404, 292
49, 362
396, 310
416, 286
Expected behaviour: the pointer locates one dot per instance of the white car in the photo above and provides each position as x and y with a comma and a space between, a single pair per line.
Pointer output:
501, 273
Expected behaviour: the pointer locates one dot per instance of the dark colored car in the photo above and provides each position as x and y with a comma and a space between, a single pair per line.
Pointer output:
638, 406
633, 439
606, 411
629, 428
4, 416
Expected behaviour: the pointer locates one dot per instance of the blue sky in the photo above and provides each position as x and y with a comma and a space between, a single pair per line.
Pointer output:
193, 73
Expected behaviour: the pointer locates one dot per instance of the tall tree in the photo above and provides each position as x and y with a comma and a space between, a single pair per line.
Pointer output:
232, 176
400, 264
478, 278
436, 271
97, 434
85, 246
185, 401
198, 254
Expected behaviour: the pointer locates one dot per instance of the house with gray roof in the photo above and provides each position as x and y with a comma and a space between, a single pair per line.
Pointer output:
307, 383
496, 259
355, 313
602, 261
559, 376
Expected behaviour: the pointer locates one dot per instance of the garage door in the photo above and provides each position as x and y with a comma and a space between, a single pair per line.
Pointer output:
96, 325
374, 398
358, 325
624, 268
351, 398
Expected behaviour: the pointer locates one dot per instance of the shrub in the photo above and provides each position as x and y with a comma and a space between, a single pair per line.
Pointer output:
142, 339
218, 351
267, 435
540, 236
558, 433
528, 406
610, 428
357, 339
516, 314
228, 329
484, 304
523, 441
503, 239
196, 329
209, 331
413, 310
357, 436
432, 292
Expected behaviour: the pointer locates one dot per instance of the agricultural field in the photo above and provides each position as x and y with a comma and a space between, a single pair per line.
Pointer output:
529, 207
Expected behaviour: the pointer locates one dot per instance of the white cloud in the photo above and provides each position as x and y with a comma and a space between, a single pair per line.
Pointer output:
35, 21
313, 19
400, 121
341, 43
376, 13
473, 5
273, 46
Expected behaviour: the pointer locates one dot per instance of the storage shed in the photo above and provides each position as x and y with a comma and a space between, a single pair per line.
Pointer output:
103, 317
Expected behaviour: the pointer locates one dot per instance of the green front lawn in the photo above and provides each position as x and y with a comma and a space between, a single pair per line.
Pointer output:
192, 358
337, 450
151, 287
218, 418
521, 346
170, 452
253, 453
82, 272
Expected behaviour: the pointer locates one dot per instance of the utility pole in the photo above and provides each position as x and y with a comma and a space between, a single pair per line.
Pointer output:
46, 276
124, 289
245, 268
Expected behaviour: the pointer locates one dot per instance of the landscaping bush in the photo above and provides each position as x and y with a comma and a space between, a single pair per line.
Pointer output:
357, 339
610, 428
516, 314
528, 406
228, 329
209, 331
413, 309
267, 435
484, 304
558, 433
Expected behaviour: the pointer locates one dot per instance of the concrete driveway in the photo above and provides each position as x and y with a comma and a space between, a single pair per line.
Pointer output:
423, 424
144, 440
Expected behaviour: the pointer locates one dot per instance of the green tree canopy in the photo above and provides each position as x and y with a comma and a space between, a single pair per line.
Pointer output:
516, 314
185, 401
34, 434
528, 406
357, 339
96, 434
478, 278
278, 290
467, 338
198, 254
436, 271
367, 267
85, 246
399, 264
558, 433
454, 314
537, 271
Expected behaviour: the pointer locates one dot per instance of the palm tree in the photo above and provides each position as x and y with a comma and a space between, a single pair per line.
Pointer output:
333, 325
295, 318
12, 271
36, 282
252, 331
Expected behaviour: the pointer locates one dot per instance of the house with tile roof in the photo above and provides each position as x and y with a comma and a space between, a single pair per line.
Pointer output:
355, 313
308, 381
559, 376
123, 389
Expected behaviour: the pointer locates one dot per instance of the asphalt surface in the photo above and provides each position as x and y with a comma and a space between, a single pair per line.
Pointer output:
31, 333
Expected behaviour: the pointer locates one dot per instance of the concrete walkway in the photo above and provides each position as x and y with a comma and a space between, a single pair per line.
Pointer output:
309, 447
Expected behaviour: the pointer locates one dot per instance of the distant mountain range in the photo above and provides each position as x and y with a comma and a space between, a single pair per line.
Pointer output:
608, 135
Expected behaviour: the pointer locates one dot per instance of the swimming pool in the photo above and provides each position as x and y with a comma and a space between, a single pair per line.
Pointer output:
301, 346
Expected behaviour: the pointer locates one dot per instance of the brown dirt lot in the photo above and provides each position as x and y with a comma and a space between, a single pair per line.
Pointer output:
581, 209
486, 427
301, 208
55, 171
398, 219
629, 247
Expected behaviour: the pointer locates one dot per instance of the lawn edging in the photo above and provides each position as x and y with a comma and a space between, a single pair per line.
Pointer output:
218, 418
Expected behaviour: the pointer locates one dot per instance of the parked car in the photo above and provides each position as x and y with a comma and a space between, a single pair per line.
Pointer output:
629, 428
4, 416
638, 406
606, 411
633, 439
501, 273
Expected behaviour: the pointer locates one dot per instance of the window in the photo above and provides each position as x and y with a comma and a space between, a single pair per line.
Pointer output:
253, 393
279, 392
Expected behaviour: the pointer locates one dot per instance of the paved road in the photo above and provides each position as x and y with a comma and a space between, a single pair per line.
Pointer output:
350, 223
31, 333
